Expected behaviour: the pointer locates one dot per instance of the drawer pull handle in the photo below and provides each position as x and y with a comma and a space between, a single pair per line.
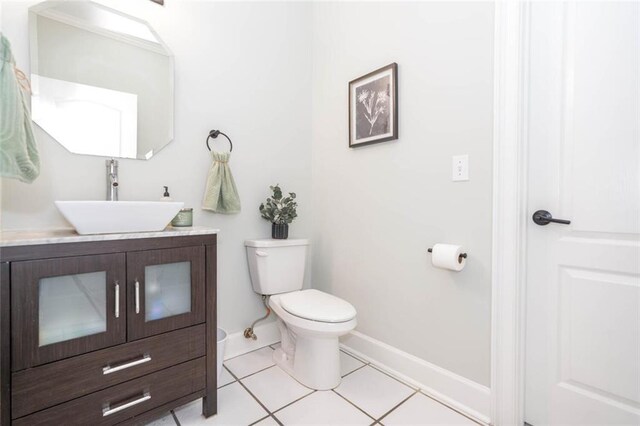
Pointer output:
117, 310
137, 297
109, 369
108, 411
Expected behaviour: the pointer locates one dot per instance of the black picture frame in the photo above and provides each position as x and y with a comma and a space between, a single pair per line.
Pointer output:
373, 107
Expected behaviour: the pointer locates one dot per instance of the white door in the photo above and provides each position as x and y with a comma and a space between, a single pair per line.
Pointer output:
583, 278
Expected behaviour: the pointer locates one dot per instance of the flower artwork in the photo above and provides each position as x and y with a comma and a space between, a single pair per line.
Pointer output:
373, 113
374, 104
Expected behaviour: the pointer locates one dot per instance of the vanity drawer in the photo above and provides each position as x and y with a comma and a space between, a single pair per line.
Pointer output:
121, 402
37, 388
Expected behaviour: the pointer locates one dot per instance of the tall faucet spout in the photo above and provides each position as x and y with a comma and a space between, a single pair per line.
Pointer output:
112, 180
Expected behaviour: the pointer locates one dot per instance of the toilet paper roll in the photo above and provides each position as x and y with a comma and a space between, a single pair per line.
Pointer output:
447, 256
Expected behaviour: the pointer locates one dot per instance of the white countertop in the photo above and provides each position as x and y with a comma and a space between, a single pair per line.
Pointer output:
53, 236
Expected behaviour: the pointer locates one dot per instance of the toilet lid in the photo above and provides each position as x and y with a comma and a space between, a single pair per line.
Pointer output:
317, 306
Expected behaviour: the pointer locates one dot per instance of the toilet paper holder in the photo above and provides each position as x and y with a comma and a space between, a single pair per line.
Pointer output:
462, 255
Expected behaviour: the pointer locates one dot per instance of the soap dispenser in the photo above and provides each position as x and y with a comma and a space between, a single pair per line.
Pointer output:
166, 196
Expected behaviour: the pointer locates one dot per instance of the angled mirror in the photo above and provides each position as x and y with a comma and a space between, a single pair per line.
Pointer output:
102, 81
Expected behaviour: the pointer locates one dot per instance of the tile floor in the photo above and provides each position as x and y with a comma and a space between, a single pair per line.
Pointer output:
254, 391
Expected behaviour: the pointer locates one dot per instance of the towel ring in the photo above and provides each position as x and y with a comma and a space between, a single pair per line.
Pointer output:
214, 134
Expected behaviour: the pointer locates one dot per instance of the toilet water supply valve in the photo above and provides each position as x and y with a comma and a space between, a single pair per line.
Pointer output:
248, 332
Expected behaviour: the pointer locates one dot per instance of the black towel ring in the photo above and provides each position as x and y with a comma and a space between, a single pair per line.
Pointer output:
214, 134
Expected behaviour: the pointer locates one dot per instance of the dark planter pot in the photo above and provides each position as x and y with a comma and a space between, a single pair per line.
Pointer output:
280, 231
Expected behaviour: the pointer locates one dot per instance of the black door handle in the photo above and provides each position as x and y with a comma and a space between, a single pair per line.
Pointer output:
543, 217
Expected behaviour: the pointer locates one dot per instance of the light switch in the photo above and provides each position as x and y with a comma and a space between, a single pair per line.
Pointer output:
460, 168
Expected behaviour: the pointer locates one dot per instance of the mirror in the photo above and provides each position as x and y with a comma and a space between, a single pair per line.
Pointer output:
102, 81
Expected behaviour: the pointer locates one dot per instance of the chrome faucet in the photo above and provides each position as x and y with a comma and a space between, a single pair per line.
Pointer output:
112, 180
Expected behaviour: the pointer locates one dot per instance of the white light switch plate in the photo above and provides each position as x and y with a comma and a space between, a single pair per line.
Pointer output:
460, 168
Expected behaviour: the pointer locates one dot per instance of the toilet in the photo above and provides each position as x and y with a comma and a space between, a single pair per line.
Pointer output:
310, 321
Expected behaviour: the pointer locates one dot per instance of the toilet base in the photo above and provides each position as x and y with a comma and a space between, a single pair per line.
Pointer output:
315, 363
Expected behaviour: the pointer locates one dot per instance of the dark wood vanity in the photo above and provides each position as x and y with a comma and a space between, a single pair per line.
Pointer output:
105, 332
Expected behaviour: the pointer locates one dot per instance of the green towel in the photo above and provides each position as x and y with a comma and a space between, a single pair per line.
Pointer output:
18, 152
220, 193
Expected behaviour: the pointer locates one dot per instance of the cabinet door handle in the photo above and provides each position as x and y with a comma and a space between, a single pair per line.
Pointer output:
108, 410
109, 369
137, 297
117, 309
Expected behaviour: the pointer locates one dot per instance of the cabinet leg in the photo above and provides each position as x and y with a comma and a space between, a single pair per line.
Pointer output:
210, 404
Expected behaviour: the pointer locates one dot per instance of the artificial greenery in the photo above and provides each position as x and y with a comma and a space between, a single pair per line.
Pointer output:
279, 210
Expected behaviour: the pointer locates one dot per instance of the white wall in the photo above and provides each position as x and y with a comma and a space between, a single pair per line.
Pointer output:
378, 208
244, 68
274, 76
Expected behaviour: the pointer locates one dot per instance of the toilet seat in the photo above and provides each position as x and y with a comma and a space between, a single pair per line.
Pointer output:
318, 306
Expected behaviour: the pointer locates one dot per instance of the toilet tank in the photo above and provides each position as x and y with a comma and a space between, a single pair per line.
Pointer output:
276, 266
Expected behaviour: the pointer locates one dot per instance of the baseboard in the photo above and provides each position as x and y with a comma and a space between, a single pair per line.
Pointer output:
237, 344
453, 390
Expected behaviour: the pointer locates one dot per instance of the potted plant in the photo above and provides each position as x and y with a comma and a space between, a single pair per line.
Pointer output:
280, 212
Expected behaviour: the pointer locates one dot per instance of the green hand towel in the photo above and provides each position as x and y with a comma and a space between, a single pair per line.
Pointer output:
18, 151
220, 193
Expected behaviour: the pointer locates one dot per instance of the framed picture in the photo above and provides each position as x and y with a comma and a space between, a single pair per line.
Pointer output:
373, 107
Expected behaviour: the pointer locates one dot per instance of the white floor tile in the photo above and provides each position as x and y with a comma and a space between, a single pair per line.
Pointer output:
322, 408
267, 422
422, 410
225, 378
164, 421
373, 391
251, 362
348, 363
235, 407
275, 388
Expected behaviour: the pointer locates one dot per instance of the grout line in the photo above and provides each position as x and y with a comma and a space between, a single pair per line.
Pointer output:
353, 371
255, 372
254, 397
450, 408
293, 402
401, 402
394, 378
417, 389
260, 419
250, 393
227, 384
277, 420
224, 367
238, 356
355, 357
343, 397
271, 414
175, 418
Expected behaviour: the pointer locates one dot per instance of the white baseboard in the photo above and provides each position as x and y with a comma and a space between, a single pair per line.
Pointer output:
453, 390
237, 344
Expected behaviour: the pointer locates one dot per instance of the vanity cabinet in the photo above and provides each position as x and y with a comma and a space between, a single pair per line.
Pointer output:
107, 332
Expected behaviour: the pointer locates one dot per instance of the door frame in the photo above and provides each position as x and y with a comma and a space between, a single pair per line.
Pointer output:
508, 286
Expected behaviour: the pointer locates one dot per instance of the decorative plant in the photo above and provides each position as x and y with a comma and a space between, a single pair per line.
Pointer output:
375, 103
279, 210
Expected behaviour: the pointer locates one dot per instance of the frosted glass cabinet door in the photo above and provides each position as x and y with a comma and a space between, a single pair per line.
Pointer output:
166, 290
69, 306
85, 293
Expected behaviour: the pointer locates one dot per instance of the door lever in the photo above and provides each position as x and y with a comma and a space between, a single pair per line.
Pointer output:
543, 217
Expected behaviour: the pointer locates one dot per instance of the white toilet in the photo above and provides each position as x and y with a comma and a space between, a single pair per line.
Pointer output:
310, 321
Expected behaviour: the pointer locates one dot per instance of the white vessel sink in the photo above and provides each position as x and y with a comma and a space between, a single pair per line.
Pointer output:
109, 217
